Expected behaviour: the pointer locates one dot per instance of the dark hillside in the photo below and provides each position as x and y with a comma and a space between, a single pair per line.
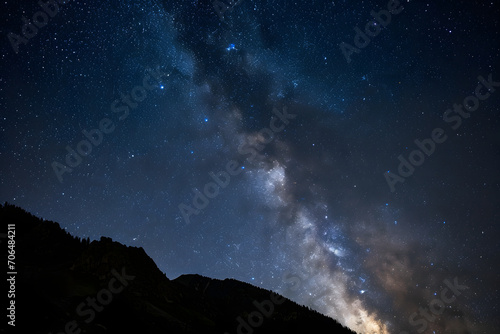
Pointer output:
65, 284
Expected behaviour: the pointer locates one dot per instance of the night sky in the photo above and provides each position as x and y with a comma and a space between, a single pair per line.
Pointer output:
262, 141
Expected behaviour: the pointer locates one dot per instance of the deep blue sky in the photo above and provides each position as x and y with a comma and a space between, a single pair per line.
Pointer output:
310, 213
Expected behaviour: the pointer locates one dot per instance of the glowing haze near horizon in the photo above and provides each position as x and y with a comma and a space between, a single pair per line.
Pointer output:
311, 215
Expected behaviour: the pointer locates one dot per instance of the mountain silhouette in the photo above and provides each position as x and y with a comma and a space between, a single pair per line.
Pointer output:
64, 284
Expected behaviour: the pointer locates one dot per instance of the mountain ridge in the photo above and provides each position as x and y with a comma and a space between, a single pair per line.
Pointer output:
70, 285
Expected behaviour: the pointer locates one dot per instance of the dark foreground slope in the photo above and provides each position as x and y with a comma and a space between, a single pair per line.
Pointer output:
67, 285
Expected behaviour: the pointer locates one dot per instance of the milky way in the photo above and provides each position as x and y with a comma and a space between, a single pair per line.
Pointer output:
247, 141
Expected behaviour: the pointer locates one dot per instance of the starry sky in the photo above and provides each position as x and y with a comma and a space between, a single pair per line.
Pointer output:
351, 166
